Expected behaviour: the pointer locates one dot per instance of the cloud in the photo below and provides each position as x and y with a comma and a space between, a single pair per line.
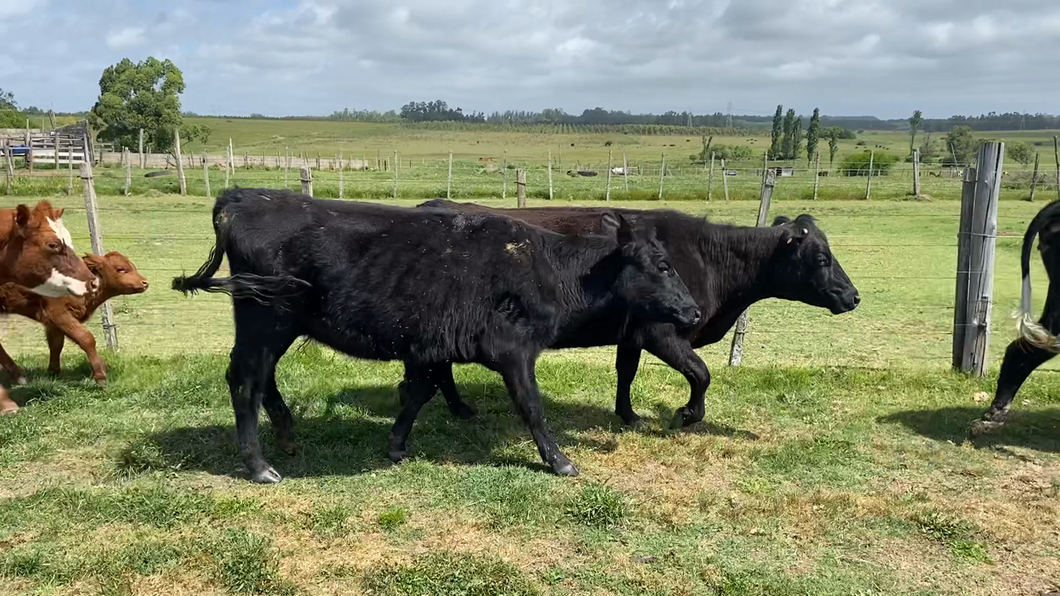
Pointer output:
125, 38
885, 57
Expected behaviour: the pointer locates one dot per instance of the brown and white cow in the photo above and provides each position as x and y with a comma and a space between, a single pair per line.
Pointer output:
65, 317
36, 252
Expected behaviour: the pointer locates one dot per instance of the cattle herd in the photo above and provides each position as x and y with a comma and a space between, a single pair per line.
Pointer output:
446, 282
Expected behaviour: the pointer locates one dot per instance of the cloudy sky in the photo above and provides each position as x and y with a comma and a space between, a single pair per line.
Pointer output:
278, 57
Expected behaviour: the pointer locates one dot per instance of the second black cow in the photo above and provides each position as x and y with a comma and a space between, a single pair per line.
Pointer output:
727, 268
425, 286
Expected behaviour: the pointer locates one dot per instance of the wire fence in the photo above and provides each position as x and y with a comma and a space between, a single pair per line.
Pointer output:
624, 179
901, 255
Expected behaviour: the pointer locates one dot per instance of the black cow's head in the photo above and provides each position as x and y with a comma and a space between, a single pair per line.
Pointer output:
647, 284
804, 268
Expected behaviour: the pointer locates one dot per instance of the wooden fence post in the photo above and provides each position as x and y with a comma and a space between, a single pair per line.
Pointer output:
206, 172
1034, 178
9, 169
55, 156
29, 149
143, 163
662, 175
180, 163
725, 180
975, 259
736, 351
625, 173
128, 171
710, 178
110, 332
868, 185
1056, 153
916, 172
504, 170
395, 174
231, 162
816, 174
342, 181
520, 187
607, 193
449, 183
286, 164
550, 175
70, 170
307, 181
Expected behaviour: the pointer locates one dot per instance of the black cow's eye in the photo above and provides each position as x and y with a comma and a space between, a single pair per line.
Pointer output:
822, 260
664, 266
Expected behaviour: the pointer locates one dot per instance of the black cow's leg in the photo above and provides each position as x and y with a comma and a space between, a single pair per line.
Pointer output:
679, 355
279, 413
521, 381
416, 390
1020, 360
243, 371
627, 360
457, 406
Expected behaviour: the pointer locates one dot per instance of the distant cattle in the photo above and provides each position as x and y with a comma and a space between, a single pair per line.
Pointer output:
425, 286
65, 317
37, 252
486, 159
727, 269
618, 170
1037, 342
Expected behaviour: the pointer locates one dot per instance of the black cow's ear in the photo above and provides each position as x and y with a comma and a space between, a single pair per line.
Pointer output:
806, 220
781, 220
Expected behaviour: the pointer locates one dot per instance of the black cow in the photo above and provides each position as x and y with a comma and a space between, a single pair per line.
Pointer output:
1037, 342
425, 286
727, 268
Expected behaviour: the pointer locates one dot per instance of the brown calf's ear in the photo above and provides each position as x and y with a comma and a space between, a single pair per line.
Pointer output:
58, 213
94, 263
22, 215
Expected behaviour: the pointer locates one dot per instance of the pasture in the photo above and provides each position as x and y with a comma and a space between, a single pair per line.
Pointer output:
832, 462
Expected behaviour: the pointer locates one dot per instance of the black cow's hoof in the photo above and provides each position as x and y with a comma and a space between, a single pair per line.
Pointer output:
266, 476
567, 469
631, 420
396, 456
288, 447
463, 411
683, 417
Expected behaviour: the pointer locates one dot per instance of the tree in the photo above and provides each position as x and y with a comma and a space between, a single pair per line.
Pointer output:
195, 132
961, 145
928, 149
775, 135
134, 96
788, 144
914, 124
1021, 152
796, 138
813, 135
833, 145
7, 100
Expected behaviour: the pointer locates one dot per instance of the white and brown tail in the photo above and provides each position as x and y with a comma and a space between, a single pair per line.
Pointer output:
1030, 331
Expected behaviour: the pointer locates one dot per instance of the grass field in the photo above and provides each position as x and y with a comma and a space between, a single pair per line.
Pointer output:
833, 462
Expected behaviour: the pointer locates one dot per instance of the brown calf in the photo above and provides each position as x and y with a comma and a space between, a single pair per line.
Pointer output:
64, 317
36, 252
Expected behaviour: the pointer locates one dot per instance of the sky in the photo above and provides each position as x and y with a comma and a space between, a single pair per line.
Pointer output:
283, 57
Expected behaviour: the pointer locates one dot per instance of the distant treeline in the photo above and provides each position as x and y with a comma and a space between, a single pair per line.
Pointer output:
418, 112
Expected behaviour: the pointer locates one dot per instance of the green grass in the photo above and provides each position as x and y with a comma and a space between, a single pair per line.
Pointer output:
833, 462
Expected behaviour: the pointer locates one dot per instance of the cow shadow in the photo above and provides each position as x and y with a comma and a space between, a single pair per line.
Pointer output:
351, 434
1032, 429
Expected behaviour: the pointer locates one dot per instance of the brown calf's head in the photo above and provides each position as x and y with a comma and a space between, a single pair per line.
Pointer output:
40, 254
118, 276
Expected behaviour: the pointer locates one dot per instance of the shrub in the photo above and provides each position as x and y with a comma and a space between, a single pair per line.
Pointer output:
857, 164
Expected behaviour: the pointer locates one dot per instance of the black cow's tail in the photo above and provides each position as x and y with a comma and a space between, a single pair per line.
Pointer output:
1030, 331
261, 288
